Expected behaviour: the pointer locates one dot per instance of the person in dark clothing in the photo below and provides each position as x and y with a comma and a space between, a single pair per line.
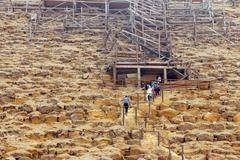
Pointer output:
126, 104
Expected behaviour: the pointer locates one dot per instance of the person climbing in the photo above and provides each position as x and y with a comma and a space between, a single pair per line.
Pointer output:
157, 89
126, 104
159, 79
149, 94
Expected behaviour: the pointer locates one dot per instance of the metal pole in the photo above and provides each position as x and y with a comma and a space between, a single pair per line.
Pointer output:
169, 151
138, 99
136, 109
194, 29
81, 16
182, 154
145, 121
106, 14
162, 94
158, 138
159, 44
149, 107
123, 117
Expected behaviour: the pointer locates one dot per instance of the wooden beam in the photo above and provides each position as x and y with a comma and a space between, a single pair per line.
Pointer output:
148, 67
139, 76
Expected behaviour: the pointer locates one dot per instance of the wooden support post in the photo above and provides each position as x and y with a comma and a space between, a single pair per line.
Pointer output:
165, 19
106, 15
182, 153
159, 44
162, 94
194, 28
158, 136
123, 115
114, 75
73, 9
145, 121
210, 87
169, 151
208, 156
139, 77
81, 18
27, 2
149, 107
137, 53
136, 110
142, 133
165, 75
138, 99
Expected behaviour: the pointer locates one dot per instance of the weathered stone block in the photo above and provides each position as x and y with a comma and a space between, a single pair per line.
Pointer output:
25, 108
236, 118
50, 119
49, 109
78, 116
168, 113
189, 118
224, 137
190, 137
205, 137
96, 114
211, 117
36, 119
185, 126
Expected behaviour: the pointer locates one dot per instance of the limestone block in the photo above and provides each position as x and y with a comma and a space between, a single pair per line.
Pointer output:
50, 135
168, 113
189, 118
3, 116
49, 109
10, 109
176, 139
82, 140
61, 118
185, 126
190, 137
96, 114
21, 100
106, 102
217, 126
136, 134
237, 135
236, 118
36, 118
50, 119
67, 99
102, 141
224, 136
229, 115
136, 151
21, 155
180, 106
117, 156
211, 117
78, 116
26, 108
112, 115
205, 136
232, 157
85, 76
6, 99
170, 127
36, 136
